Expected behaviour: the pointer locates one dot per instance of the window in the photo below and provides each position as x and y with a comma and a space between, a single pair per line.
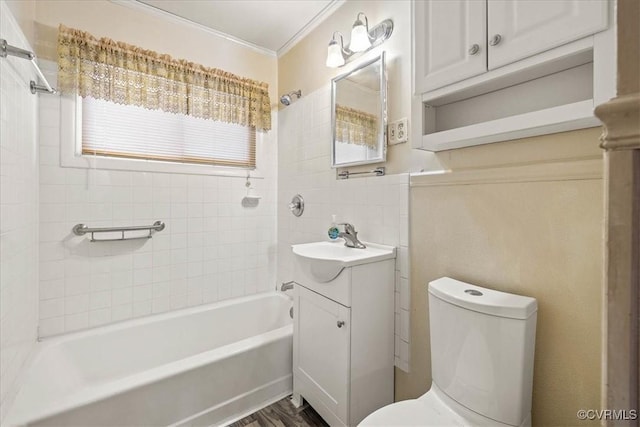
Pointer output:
128, 131
138, 104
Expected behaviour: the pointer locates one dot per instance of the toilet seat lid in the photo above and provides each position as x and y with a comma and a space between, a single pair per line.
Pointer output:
411, 413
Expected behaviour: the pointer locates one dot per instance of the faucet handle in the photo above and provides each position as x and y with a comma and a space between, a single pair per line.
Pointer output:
349, 228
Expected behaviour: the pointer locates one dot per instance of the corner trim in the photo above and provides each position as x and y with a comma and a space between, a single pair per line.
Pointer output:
621, 118
621, 280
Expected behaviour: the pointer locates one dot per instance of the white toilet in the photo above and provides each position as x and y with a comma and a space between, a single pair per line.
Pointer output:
482, 346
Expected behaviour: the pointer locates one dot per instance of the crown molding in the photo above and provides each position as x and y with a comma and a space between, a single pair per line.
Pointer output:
304, 31
143, 7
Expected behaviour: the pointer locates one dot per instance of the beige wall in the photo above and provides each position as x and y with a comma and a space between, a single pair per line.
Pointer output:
524, 217
103, 18
303, 67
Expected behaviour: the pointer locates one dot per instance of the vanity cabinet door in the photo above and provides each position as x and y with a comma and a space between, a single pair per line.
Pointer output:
450, 42
522, 28
321, 350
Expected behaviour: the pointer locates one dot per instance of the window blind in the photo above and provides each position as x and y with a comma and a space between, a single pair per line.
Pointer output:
117, 130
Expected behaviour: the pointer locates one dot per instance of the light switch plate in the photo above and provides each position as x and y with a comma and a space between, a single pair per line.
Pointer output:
392, 134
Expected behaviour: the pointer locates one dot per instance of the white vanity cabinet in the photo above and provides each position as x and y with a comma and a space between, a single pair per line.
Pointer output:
496, 70
322, 343
343, 340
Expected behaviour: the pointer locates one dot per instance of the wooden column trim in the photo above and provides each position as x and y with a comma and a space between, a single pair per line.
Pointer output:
621, 346
621, 118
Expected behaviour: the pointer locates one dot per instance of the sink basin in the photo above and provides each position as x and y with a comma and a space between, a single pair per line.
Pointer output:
325, 260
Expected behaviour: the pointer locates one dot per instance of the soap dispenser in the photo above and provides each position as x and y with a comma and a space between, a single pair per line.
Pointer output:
333, 230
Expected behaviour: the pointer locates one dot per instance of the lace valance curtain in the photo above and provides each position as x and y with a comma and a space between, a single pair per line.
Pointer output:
125, 74
356, 127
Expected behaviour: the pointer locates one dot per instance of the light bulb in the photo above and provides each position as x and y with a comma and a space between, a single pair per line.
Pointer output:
334, 55
359, 37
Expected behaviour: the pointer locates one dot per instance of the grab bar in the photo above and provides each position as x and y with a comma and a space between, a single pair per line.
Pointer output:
82, 229
6, 50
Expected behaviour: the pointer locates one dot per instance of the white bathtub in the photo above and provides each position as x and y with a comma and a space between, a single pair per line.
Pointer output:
206, 365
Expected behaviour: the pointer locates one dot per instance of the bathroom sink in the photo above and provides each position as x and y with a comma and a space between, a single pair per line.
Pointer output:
325, 260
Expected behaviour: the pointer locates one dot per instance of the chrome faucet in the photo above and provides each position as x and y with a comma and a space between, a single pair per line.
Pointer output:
350, 236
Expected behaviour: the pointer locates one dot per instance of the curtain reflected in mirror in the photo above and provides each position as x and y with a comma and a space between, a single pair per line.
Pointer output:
359, 115
356, 127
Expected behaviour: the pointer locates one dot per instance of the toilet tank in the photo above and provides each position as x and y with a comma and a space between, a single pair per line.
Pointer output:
482, 346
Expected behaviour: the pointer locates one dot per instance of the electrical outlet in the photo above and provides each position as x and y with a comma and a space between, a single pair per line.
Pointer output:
402, 130
398, 131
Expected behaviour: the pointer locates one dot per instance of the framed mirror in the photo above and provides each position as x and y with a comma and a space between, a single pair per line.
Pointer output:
359, 115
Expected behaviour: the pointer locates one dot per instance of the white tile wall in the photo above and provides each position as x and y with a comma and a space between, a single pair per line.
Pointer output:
18, 213
377, 206
212, 249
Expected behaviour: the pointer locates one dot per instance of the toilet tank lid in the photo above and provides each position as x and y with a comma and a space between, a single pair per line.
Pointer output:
483, 300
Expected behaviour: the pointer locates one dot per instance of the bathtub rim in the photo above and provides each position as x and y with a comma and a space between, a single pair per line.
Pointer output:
104, 390
151, 318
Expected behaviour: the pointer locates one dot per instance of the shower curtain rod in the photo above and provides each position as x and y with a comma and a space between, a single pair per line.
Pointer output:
7, 49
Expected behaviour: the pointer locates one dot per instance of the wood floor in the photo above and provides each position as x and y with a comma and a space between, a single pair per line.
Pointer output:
282, 414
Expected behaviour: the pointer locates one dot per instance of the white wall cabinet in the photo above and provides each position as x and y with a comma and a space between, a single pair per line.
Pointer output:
457, 39
452, 41
521, 28
343, 362
473, 58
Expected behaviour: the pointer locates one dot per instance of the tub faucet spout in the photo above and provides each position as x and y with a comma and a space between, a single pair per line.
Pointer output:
287, 286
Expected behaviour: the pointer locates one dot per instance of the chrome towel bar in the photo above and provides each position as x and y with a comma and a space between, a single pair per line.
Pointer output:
377, 171
8, 50
81, 230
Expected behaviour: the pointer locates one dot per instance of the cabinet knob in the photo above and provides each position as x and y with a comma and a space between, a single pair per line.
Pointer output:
340, 323
495, 40
473, 50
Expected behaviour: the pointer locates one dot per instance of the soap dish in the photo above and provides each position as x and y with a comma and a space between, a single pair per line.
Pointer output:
250, 201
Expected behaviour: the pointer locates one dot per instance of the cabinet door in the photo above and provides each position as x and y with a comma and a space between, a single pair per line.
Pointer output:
450, 42
321, 348
527, 27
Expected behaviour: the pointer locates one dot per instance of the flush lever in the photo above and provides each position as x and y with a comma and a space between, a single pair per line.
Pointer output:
340, 323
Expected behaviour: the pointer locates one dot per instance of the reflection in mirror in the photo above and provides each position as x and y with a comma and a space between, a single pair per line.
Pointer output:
359, 114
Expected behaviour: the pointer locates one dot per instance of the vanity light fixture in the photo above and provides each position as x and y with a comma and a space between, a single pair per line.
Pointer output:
360, 34
335, 52
362, 40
